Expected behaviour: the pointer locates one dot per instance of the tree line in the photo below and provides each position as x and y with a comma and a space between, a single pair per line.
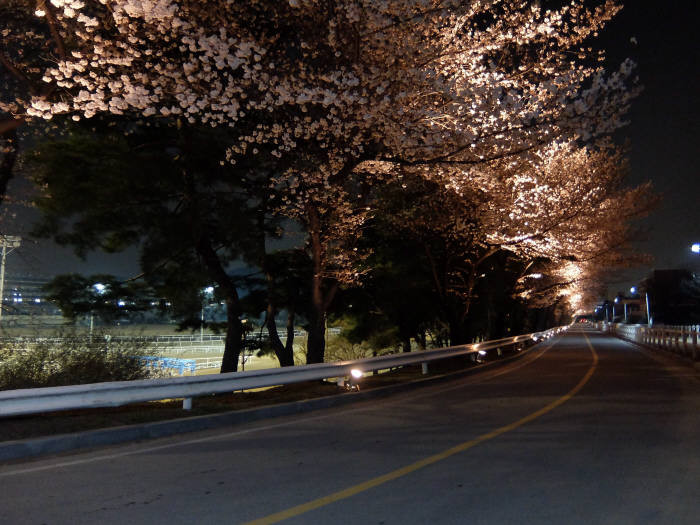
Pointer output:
411, 167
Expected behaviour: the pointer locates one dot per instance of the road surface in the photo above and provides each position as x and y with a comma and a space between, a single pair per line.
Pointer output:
585, 429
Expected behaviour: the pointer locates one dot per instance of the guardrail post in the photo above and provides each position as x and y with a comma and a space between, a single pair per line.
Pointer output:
187, 403
424, 368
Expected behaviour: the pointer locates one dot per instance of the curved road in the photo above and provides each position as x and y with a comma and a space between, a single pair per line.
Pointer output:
584, 429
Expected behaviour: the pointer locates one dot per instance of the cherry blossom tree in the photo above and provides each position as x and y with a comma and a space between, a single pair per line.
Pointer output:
563, 210
332, 95
28, 45
572, 208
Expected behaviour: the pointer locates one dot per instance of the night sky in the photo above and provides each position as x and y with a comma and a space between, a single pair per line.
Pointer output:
663, 136
664, 119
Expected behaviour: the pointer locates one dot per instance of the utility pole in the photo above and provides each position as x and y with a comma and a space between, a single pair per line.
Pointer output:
11, 242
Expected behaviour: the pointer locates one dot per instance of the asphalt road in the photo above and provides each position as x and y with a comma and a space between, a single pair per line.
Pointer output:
585, 429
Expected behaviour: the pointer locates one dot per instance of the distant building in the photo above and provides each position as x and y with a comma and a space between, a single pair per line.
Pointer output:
24, 296
674, 297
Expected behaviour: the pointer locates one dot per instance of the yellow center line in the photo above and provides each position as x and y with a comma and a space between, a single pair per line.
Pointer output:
390, 476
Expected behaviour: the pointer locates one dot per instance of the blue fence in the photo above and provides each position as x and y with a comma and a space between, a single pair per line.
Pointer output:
170, 363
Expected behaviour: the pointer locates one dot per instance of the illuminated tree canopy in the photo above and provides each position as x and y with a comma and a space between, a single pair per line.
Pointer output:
499, 107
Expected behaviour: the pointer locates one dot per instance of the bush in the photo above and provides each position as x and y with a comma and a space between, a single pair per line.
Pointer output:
339, 348
70, 361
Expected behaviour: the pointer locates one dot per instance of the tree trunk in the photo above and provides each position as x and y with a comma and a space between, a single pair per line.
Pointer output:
232, 347
457, 332
9, 145
212, 261
316, 342
289, 344
284, 357
234, 330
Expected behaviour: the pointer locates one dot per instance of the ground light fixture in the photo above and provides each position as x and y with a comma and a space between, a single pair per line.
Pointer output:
352, 382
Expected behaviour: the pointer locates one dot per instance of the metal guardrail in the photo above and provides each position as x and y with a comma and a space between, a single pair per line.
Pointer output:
35, 400
681, 340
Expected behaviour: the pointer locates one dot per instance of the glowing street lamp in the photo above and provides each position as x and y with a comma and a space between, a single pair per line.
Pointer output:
99, 289
695, 248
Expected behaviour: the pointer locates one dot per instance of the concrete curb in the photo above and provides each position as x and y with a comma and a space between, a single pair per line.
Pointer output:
19, 449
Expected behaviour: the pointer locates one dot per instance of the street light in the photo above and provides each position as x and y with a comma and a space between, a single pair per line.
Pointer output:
11, 242
695, 248
205, 292
99, 289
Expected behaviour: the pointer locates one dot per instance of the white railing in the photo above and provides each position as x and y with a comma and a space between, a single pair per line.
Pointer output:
34, 400
186, 341
682, 340
205, 363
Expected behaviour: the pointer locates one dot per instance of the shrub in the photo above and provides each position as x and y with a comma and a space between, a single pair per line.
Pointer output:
70, 361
